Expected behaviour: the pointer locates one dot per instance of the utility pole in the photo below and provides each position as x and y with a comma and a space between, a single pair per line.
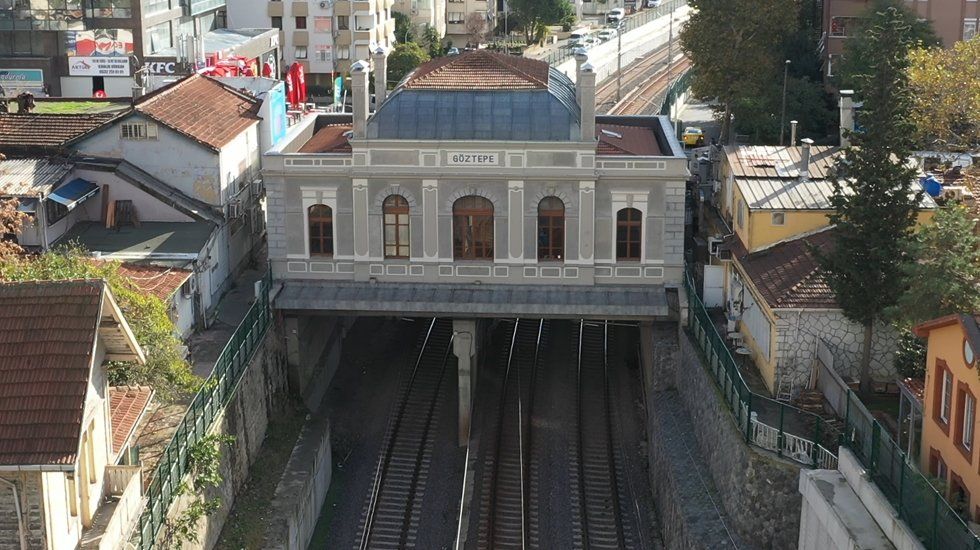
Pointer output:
670, 44
782, 116
619, 65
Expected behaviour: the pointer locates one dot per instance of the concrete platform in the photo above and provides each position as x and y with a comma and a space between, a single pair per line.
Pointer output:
619, 302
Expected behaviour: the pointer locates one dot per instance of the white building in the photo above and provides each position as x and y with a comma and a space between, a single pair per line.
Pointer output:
423, 13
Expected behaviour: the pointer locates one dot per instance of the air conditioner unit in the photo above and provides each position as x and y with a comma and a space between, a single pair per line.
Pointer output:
957, 193
258, 187
714, 244
234, 210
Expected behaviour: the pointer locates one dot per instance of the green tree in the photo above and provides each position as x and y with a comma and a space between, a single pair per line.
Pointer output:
735, 47
404, 29
946, 92
945, 276
857, 57
533, 14
432, 42
403, 59
165, 369
874, 205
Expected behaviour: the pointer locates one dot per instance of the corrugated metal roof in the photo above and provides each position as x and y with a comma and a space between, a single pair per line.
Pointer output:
767, 161
30, 177
550, 114
794, 194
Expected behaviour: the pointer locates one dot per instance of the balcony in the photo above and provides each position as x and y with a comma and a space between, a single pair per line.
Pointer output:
117, 516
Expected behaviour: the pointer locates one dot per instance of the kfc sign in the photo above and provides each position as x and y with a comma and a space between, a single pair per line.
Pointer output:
162, 67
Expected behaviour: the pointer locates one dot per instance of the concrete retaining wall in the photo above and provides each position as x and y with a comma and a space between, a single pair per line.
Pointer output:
261, 393
301, 491
759, 491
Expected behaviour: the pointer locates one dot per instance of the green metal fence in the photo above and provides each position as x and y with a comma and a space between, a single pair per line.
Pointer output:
917, 501
784, 429
680, 85
214, 394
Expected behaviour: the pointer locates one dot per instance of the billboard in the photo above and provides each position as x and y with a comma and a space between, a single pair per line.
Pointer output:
12, 80
98, 66
277, 113
99, 43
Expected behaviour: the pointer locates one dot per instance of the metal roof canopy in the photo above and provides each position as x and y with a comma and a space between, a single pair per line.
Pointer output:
640, 302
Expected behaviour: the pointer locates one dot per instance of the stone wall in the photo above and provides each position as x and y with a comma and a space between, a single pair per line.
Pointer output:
757, 490
798, 333
29, 494
261, 393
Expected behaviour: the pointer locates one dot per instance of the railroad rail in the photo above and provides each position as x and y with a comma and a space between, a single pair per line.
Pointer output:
647, 98
507, 508
392, 514
632, 78
600, 522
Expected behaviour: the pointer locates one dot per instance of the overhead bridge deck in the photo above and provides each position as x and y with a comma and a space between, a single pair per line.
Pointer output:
613, 302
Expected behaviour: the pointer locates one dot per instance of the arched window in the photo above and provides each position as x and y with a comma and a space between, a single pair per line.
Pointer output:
395, 209
629, 228
551, 229
321, 230
473, 229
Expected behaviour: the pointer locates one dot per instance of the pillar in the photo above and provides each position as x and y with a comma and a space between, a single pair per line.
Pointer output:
586, 221
515, 219
430, 219
361, 225
359, 97
464, 347
380, 56
586, 86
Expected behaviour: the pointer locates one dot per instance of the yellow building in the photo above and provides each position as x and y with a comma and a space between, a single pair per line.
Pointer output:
776, 202
949, 414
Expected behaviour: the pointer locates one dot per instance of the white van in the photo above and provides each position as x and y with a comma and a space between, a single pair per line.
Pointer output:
580, 37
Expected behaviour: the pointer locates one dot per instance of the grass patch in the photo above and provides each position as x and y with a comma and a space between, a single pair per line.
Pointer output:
74, 107
246, 524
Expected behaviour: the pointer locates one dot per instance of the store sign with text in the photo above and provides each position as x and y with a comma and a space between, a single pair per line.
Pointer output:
16, 79
163, 65
98, 66
471, 159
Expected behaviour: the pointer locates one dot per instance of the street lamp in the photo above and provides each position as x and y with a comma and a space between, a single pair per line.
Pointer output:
782, 116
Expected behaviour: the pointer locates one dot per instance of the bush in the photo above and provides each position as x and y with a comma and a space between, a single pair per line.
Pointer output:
910, 357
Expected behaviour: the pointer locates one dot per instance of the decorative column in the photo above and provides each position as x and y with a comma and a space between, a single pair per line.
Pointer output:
362, 249
515, 219
430, 219
586, 221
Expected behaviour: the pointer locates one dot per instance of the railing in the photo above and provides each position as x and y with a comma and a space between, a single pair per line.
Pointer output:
631, 22
124, 482
917, 501
214, 394
786, 430
680, 85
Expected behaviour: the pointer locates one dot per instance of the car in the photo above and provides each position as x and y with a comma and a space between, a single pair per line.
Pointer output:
693, 136
653, 3
615, 15
452, 51
607, 34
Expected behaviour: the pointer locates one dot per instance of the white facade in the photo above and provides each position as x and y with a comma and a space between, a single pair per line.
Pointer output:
423, 13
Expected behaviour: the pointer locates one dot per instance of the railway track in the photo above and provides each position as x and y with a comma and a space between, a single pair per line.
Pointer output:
633, 77
508, 517
600, 523
392, 513
645, 99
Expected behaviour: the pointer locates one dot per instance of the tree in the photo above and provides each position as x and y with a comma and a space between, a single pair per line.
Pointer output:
735, 47
856, 58
532, 14
432, 42
11, 222
874, 205
404, 58
476, 27
946, 96
945, 276
165, 369
404, 29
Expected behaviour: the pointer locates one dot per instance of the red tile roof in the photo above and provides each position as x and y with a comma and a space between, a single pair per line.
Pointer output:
623, 139
159, 281
126, 407
787, 274
47, 334
480, 70
47, 130
329, 139
202, 109
916, 388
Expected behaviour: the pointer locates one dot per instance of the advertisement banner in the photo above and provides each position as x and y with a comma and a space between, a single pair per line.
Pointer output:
21, 79
99, 43
277, 113
98, 66
338, 88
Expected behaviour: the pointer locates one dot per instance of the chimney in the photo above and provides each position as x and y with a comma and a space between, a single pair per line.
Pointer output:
581, 56
792, 133
585, 84
380, 76
846, 117
138, 92
805, 159
359, 97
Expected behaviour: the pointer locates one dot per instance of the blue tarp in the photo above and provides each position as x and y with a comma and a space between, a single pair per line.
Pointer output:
74, 192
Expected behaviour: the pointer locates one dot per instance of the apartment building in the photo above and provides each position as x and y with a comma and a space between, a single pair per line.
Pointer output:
85, 48
457, 12
953, 20
322, 35
423, 13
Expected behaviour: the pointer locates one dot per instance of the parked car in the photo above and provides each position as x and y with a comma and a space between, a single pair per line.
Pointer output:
693, 136
452, 51
607, 34
615, 15
653, 3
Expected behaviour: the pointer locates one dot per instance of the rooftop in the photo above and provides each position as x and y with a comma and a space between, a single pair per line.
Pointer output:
479, 70
59, 106
622, 136
202, 109
329, 138
768, 161
47, 334
158, 281
31, 177
148, 238
25, 133
787, 274
126, 407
